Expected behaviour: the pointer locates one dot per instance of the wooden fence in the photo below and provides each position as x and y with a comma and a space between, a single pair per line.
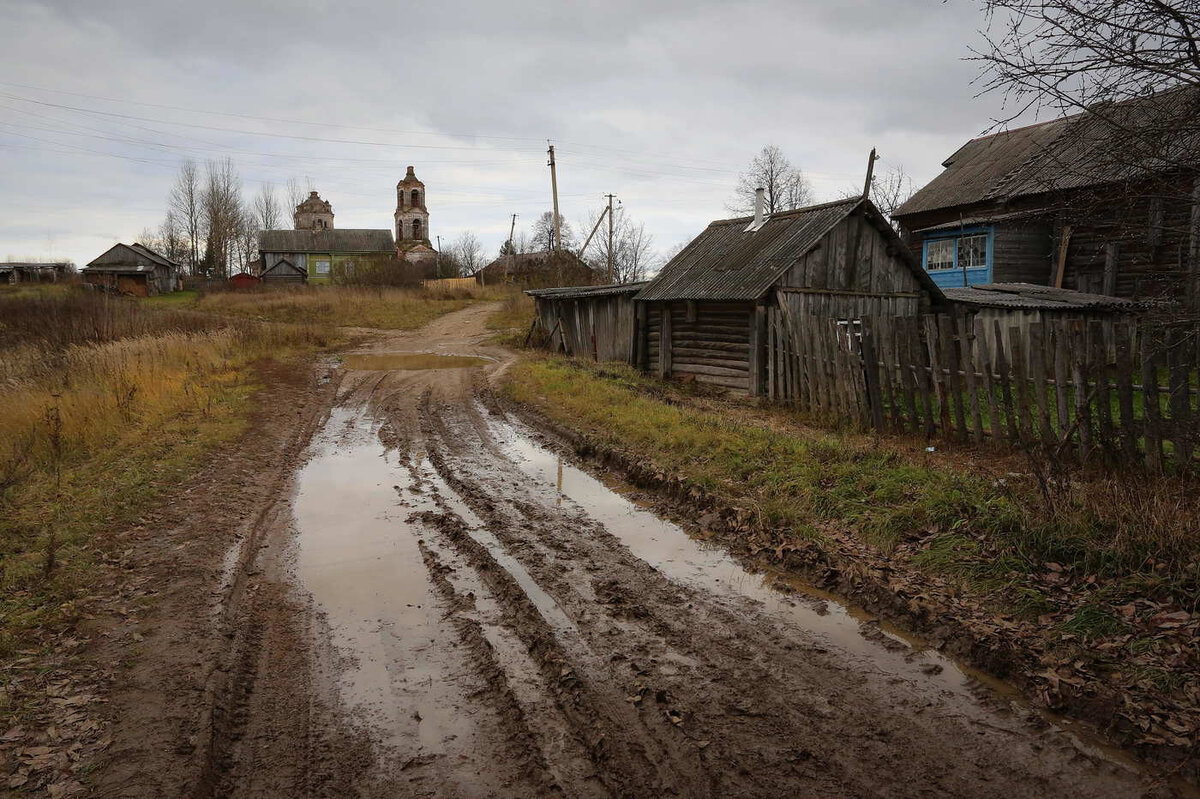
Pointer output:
1115, 390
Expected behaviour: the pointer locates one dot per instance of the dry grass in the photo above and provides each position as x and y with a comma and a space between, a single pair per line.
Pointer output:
385, 308
513, 319
107, 403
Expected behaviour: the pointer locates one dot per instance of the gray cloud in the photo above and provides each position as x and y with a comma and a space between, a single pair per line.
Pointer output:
660, 102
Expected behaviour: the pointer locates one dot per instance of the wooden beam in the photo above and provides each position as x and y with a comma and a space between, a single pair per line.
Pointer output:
1060, 269
848, 293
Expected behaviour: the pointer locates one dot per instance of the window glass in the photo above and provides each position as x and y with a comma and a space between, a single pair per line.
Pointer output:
939, 254
972, 252
322, 267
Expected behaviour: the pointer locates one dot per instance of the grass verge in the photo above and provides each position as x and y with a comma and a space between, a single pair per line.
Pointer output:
512, 321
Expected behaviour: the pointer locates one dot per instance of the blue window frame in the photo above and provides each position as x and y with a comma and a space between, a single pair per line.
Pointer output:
949, 256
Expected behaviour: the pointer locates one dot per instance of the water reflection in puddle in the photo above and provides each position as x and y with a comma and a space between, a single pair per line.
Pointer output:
408, 361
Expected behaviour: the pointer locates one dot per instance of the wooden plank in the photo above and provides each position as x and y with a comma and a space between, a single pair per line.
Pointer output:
1101, 373
904, 366
1179, 365
1002, 373
1062, 383
1126, 367
1037, 368
1060, 270
665, 344
1152, 413
872, 374
966, 341
985, 370
936, 377
1020, 371
885, 336
923, 375
1083, 398
953, 381
704, 369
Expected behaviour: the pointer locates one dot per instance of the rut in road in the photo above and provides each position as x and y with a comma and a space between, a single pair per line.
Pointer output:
494, 622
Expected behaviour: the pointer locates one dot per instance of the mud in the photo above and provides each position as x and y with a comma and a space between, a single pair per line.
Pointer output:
392, 361
441, 606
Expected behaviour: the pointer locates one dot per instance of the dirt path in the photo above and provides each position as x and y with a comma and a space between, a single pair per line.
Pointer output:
438, 605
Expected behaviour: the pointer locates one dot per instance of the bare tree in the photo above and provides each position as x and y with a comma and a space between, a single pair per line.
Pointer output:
185, 204
266, 208
172, 238
468, 253
786, 186
890, 189
296, 193
542, 232
223, 216
633, 255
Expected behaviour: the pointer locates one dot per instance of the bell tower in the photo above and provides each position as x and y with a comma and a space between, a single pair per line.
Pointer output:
412, 218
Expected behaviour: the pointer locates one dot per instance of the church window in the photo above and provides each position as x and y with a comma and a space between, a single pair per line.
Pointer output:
416, 227
416, 197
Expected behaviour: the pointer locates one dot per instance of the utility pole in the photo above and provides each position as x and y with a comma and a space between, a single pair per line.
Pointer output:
554, 191
512, 247
439, 256
870, 173
610, 239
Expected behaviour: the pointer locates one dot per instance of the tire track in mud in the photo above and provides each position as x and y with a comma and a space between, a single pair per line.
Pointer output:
774, 708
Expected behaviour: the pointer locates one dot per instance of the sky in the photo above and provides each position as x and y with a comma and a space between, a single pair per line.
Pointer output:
662, 103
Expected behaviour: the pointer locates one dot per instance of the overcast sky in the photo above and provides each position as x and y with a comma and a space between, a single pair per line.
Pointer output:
661, 103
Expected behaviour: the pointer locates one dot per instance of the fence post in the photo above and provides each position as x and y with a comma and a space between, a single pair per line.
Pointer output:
985, 362
966, 338
1150, 403
1005, 385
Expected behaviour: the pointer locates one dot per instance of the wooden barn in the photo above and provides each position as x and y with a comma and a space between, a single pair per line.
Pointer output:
133, 269
1084, 202
589, 321
714, 312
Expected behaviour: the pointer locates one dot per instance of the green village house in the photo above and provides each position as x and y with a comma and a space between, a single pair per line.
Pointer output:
316, 252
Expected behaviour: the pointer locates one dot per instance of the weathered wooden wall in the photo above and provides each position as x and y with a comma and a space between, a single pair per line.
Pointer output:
853, 256
709, 342
599, 327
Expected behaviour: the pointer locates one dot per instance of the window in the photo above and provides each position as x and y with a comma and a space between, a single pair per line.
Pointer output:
416, 197
321, 267
939, 254
416, 227
972, 252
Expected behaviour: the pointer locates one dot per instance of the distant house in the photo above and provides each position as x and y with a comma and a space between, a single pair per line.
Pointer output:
283, 272
133, 269
539, 270
30, 271
713, 312
1088, 202
320, 255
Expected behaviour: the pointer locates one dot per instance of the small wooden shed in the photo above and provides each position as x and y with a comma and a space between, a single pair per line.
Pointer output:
711, 313
244, 280
133, 269
589, 321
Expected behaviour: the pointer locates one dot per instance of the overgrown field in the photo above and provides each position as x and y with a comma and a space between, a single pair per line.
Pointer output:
385, 308
1102, 573
107, 404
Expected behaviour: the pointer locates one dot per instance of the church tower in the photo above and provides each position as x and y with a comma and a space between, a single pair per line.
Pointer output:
412, 218
314, 214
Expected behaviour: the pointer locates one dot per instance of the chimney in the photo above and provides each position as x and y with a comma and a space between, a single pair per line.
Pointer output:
759, 202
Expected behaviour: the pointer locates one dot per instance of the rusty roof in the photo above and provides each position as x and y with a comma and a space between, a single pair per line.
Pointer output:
330, 241
1108, 143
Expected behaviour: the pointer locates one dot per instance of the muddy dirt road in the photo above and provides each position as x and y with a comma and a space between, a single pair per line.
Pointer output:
441, 606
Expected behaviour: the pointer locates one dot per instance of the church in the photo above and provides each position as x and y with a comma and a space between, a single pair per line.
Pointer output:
316, 251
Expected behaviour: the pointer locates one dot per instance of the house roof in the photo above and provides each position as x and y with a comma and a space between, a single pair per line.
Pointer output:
729, 262
1109, 143
128, 258
578, 292
331, 241
1029, 296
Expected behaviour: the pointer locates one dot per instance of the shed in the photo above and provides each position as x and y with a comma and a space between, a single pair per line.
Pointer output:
712, 313
589, 321
244, 280
283, 271
31, 271
133, 269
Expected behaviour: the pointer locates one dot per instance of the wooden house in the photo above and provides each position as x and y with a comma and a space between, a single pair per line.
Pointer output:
1097, 202
594, 322
713, 311
283, 272
543, 269
320, 255
133, 269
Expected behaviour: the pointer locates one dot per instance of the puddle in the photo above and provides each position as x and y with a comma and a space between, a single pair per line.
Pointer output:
365, 570
409, 361
669, 549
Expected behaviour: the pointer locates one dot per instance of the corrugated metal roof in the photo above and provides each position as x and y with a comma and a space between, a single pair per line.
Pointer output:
1033, 297
1087, 149
331, 241
726, 262
129, 258
574, 292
